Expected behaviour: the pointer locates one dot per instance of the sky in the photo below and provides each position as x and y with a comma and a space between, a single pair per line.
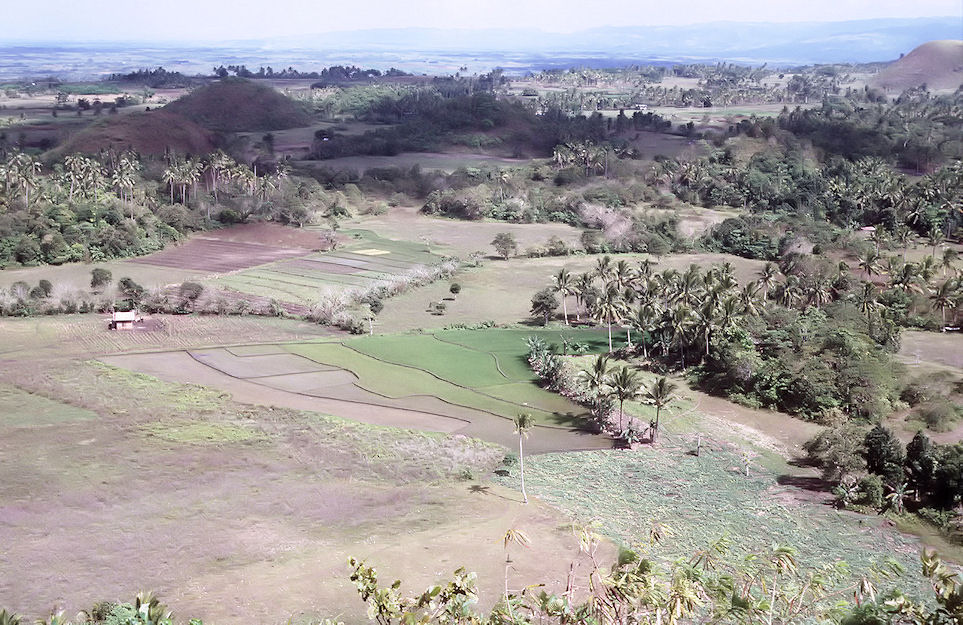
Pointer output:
218, 20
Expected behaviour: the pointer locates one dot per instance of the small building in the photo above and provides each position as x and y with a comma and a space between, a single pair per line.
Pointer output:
124, 320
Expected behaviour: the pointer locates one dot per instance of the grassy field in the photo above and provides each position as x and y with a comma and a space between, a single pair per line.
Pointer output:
367, 261
77, 275
455, 368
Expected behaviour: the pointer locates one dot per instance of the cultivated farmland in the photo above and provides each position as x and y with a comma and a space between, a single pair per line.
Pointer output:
366, 261
463, 381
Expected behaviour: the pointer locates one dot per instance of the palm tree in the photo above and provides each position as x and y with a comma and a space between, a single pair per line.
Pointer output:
596, 377
660, 395
869, 262
523, 423
867, 301
936, 237
950, 256
625, 385
171, 176
707, 322
564, 286
584, 288
622, 274
608, 308
767, 277
943, 297
680, 318
817, 291
603, 268
878, 238
644, 320
749, 297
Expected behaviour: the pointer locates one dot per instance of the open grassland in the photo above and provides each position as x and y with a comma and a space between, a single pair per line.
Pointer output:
366, 261
501, 291
245, 512
87, 335
77, 275
457, 237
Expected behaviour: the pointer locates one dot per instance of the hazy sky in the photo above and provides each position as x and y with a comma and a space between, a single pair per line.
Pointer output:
213, 20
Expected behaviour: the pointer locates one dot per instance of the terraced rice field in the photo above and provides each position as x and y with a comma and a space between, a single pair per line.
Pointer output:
471, 382
368, 260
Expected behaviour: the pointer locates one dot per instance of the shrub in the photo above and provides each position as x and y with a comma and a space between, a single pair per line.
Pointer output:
99, 278
871, 492
940, 414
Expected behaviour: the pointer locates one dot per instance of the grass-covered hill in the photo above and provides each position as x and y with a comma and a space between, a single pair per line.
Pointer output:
150, 132
937, 64
238, 105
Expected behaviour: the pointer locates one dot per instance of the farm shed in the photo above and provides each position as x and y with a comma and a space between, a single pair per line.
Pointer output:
124, 320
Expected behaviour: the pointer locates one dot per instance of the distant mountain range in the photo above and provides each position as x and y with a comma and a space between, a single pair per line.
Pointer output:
440, 51
788, 43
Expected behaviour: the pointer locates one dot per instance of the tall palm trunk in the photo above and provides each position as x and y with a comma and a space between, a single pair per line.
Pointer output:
521, 463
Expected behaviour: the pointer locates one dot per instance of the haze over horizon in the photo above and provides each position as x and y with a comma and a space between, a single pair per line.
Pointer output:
212, 21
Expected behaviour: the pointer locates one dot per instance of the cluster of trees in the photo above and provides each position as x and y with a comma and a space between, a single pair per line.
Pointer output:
91, 208
873, 469
81, 209
919, 129
158, 78
798, 339
866, 192
721, 84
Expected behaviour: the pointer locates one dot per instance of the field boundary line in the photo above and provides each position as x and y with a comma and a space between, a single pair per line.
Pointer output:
350, 401
465, 388
494, 357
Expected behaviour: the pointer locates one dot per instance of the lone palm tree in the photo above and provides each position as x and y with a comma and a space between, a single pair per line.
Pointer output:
936, 238
523, 423
625, 385
660, 395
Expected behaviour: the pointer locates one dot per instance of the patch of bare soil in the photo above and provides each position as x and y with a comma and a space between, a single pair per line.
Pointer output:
213, 256
268, 234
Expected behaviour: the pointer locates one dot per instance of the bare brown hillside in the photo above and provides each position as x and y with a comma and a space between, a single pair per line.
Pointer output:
237, 105
937, 64
149, 132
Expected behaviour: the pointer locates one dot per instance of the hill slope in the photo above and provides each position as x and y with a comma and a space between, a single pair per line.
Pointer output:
237, 105
938, 64
150, 132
